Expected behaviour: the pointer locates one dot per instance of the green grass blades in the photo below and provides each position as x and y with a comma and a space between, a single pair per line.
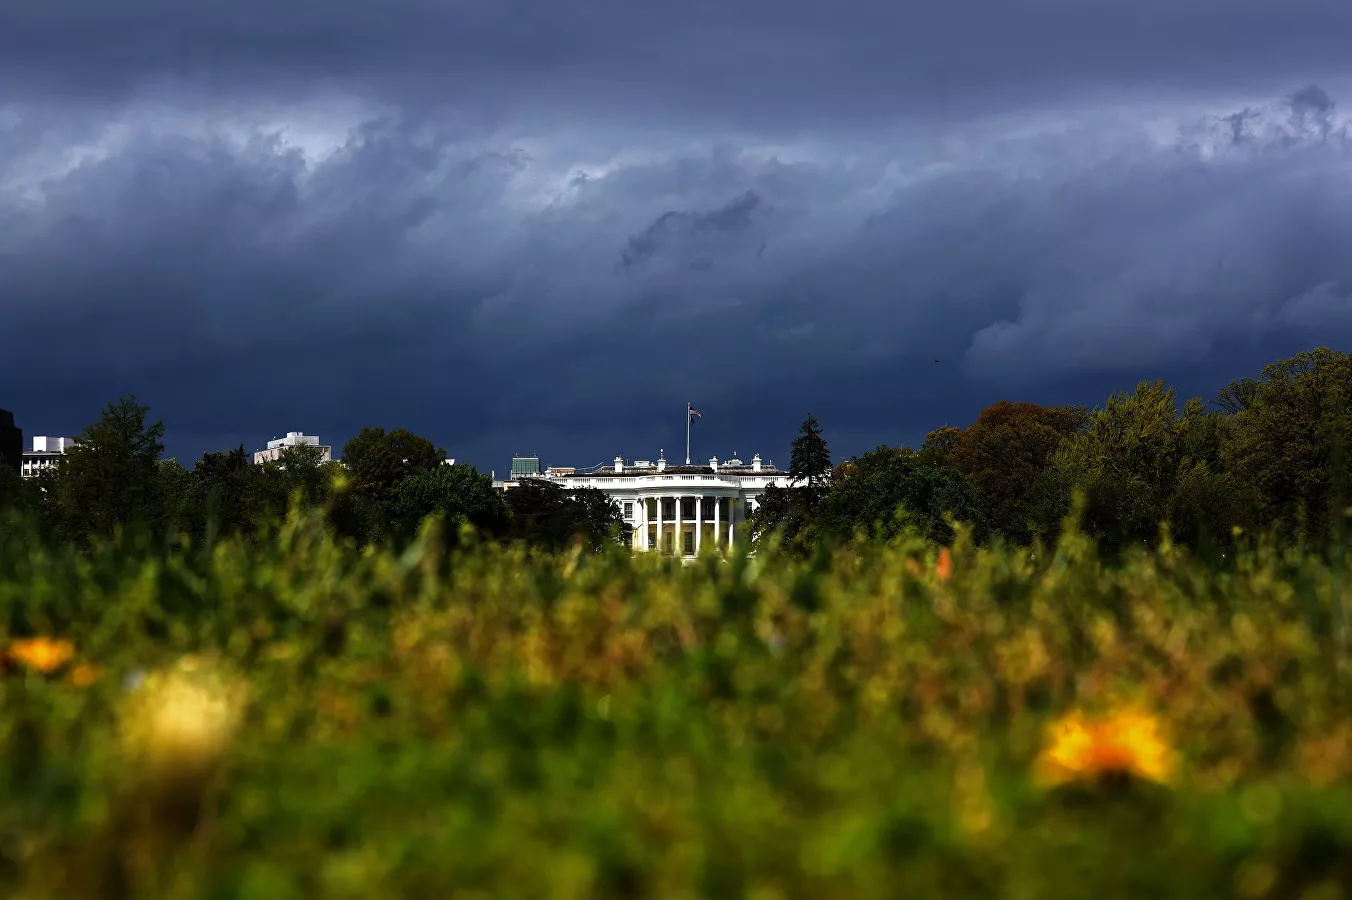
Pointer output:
296, 718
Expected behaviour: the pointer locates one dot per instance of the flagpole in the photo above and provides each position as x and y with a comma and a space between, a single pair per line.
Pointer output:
687, 432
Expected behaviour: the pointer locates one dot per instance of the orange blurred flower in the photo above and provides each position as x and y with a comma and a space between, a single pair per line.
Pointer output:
42, 654
1126, 742
944, 567
83, 675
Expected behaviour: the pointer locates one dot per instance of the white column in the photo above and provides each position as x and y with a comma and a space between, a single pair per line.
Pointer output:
677, 544
732, 517
718, 507
699, 522
657, 545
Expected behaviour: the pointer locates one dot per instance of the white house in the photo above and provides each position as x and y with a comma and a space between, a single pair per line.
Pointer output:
679, 509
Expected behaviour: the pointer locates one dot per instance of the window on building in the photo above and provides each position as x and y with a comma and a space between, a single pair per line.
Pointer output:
669, 542
689, 537
628, 511
748, 510
652, 538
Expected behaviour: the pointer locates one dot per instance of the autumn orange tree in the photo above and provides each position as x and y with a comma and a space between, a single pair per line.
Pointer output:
1003, 454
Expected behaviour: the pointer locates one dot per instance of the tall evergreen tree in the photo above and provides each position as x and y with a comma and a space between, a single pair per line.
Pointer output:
110, 478
810, 461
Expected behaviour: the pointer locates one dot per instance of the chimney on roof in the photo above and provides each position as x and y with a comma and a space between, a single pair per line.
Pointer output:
662, 461
619, 465
713, 463
755, 463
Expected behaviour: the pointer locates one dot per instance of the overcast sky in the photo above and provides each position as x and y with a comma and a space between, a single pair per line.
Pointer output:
538, 226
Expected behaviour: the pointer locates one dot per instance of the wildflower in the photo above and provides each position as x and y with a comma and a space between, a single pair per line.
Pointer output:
180, 720
1126, 743
83, 675
41, 654
944, 567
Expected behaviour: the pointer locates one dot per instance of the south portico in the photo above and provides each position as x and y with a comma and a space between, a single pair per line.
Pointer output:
685, 523
680, 510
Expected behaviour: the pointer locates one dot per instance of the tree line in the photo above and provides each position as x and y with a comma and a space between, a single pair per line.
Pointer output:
116, 481
1266, 454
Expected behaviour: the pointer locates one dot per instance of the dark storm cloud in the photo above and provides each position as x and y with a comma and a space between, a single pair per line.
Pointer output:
266, 216
693, 236
770, 62
423, 276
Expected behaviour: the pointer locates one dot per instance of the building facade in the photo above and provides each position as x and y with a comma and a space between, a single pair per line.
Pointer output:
11, 442
292, 439
46, 453
680, 510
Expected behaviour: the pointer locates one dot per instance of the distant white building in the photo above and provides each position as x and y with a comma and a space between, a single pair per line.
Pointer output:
46, 453
679, 509
292, 439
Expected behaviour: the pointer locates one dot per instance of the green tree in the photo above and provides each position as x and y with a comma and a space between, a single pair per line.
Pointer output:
889, 490
1238, 395
1293, 439
304, 475
810, 460
19, 501
1141, 463
175, 489
788, 511
109, 479
378, 460
938, 444
783, 511
545, 515
604, 518
230, 495
457, 492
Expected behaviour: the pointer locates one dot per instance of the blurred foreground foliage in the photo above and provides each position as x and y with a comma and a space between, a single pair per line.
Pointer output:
295, 717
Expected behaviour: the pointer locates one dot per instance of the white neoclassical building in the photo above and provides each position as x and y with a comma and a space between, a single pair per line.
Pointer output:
46, 453
292, 439
679, 509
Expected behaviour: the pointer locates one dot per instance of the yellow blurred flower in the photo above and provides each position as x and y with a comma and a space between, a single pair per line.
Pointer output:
42, 654
179, 720
1126, 742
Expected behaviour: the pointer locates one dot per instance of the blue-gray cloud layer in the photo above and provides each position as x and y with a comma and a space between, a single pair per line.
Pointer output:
519, 227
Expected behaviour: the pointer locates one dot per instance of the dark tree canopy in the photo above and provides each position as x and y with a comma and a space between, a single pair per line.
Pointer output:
1293, 436
545, 515
788, 511
108, 480
1002, 454
378, 460
891, 489
783, 511
459, 493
